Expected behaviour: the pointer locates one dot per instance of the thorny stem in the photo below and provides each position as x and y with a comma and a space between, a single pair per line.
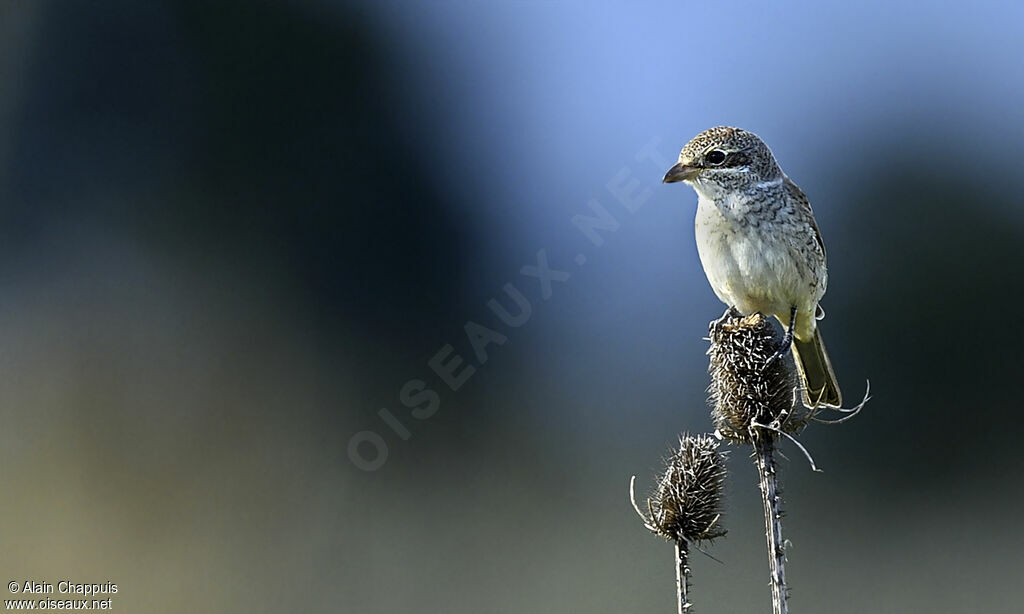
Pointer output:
683, 575
764, 448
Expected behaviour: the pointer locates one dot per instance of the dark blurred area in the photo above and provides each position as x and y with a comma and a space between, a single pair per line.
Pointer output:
232, 233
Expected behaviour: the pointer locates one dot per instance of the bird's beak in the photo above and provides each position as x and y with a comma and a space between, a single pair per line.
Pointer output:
680, 172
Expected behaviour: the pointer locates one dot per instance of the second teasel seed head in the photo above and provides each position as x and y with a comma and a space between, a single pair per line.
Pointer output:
687, 501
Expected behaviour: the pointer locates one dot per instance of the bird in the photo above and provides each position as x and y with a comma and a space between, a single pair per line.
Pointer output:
760, 246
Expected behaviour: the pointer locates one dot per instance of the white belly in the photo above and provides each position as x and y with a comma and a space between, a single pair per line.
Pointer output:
750, 267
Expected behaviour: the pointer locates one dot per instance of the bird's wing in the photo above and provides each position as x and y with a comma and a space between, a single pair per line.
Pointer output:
805, 206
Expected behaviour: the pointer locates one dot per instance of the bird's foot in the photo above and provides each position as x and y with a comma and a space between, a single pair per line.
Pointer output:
787, 341
730, 314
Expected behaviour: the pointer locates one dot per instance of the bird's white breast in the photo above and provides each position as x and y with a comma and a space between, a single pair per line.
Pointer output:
748, 266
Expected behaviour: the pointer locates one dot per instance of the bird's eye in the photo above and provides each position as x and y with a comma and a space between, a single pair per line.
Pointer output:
715, 157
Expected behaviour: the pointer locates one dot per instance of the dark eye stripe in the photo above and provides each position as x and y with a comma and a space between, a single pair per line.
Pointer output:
737, 158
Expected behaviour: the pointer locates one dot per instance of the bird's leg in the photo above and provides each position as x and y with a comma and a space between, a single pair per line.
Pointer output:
787, 339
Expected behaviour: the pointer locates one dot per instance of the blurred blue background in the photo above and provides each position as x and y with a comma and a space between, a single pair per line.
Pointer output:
232, 232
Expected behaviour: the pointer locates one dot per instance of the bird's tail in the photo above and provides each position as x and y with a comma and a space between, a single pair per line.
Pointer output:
816, 374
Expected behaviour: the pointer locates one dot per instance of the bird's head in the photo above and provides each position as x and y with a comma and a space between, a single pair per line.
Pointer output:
724, 158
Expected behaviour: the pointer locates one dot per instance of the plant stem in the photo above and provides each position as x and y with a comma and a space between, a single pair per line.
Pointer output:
683, 575
764, 458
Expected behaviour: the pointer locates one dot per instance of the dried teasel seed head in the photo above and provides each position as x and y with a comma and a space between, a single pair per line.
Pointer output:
687, 500
748, 385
